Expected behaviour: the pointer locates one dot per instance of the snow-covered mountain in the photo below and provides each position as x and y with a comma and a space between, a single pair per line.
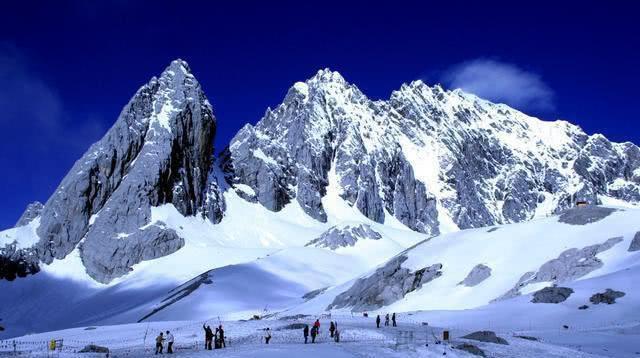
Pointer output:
332, 201
436, 160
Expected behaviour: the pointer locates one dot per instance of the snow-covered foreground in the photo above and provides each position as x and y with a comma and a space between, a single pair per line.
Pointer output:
359, 338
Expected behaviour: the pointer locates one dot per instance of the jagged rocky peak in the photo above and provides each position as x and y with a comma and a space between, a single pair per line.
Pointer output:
159, 151
433, 158
324, 124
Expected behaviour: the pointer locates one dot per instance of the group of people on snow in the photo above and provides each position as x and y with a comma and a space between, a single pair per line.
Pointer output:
213, 340
160, 339
216, 340
386, 320
334, 332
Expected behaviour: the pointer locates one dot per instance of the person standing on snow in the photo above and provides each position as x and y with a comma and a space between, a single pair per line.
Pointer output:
393, 319
208, 337
221, 337
332, 329
314, 333
378, 321
267, 336
336, 335
169, 342
159, 340
305, 333
386, 320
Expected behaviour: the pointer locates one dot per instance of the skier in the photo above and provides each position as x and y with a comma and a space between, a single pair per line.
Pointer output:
378, 321
159, 340
305, 333
386, 320
332, 329
221, 337
393, 319
314, 333
169, 342
267, 336
208, 337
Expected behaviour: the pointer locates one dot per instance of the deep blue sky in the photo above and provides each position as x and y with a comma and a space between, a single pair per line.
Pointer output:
67, 68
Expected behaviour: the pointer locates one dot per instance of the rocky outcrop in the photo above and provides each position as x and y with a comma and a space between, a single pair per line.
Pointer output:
180, 292
635, 243
337, 237
569, 266
609, 297
159, 151
32, 211
312, 294
486, 336
17, 262
478, 274
386, 285
584, 215
552, 295
470, 348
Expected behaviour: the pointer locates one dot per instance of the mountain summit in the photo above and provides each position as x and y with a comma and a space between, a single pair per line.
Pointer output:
432, 160
436, 160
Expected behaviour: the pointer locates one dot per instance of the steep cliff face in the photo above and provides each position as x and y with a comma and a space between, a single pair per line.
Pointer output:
432, 158
160, 150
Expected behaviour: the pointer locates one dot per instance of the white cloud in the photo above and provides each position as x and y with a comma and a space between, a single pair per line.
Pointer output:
501, 82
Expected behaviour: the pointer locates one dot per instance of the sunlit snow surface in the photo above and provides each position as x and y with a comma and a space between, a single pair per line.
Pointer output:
261, 266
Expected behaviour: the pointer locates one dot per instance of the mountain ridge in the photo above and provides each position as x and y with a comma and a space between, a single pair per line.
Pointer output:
436, 160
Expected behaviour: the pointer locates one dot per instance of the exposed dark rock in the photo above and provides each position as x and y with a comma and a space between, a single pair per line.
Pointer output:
292, 326
569, 266
336, 237
309, 295
470, 348
635, 243
609, 297
180, 292
486, 336
478, 274
552, 295
385, 286
585, 215
495, 228
16, 262
583, 307
92, 348
528, 338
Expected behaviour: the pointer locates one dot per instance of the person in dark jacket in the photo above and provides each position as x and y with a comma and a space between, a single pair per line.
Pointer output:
332, 328
314, 333
208, 337
386, 320
159, 340
378, 321
393, 319
221, 337
305, 333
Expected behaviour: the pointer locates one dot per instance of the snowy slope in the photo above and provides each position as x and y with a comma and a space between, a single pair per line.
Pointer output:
511, 251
